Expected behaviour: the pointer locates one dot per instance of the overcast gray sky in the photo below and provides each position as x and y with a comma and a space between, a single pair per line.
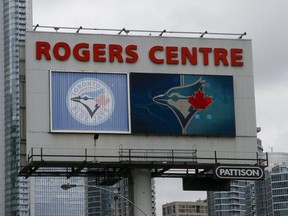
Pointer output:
265, 22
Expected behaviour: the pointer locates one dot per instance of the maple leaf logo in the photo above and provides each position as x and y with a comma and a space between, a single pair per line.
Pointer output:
198, 101
183, 105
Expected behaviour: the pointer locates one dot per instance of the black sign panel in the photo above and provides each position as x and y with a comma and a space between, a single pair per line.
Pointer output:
207, 183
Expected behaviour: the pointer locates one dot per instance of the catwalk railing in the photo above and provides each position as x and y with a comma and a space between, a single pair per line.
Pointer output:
147, 155
117, 162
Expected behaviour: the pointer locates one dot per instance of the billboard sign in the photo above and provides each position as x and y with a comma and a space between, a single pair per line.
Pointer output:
238, 172
160, 103
182, 104
140, 92
89, 102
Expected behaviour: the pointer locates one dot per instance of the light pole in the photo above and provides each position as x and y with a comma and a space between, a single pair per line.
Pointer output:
69, 186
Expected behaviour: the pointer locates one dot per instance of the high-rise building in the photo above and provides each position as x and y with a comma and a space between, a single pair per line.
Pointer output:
198, 208
264, 190
16, 18
2, 115
267, 197
106, 202
276, 158
48, 199
250, 199
242, 199
226, 203
277, 193
100, 202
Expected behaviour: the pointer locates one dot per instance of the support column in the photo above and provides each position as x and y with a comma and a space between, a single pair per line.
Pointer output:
140, 191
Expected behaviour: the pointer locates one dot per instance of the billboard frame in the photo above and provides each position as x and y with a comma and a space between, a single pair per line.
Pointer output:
213, 59
128, 131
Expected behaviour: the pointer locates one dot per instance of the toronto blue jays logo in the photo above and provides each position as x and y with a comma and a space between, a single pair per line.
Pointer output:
185, 101
90, 101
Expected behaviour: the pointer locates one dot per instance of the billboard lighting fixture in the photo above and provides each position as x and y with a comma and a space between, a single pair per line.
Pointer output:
242, 35
162, 32
123, 30
96, 136
202, 35
56, 28
35, 27
79, 29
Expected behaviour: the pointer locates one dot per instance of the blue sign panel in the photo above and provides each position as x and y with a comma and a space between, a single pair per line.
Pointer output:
166, 104
89, 102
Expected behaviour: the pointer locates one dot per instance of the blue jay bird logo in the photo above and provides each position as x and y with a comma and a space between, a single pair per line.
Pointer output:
185, 101
90, 101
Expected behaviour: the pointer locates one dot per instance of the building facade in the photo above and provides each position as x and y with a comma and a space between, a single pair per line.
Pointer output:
277, 192
100, 202
269, 197
250, 198
244, 197
106, 202
2, 115
229, 202
264, 189
16, 18
47, 198
198, 208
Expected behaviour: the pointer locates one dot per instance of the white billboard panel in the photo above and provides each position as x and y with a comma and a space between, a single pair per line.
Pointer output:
89, 102
177, 93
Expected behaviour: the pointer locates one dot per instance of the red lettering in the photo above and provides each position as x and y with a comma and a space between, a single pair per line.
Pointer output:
191, 56
172, 55
220, 55
42, 48
205, 51
66, 51
99, 52
115, 51
131, 52
236, 57
85, 54
152, 56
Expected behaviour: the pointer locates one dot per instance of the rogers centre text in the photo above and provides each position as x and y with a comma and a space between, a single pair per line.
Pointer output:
171, 55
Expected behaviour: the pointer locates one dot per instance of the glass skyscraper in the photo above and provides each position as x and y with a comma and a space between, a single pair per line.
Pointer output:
103, 202
100, 202
20, 196
273, 190
2, 116
229, 202
16, 17
250, 199
48, 199
277, 192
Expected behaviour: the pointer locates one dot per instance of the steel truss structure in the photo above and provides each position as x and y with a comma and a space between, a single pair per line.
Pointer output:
110, 167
